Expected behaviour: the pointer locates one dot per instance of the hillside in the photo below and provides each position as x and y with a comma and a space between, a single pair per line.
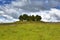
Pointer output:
30, 31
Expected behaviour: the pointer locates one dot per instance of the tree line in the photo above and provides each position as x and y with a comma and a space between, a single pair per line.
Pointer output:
29, 18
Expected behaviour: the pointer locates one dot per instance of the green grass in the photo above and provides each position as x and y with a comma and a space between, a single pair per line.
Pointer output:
30, 31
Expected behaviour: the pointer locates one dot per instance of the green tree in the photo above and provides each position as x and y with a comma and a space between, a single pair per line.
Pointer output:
21, 18
25, 16
38, 18
33, 18
29, 18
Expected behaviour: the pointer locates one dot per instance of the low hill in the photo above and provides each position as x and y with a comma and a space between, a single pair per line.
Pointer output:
30, 31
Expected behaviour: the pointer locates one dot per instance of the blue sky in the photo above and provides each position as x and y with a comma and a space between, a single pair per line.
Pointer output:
2, 2
10, 10
43, 3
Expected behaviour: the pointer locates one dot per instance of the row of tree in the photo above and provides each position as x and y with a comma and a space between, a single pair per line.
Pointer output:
29, 18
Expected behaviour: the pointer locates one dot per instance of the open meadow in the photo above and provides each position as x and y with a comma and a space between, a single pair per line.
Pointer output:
30, 31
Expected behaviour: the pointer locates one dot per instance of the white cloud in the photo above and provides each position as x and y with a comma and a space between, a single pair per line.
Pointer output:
52, 15
11, 12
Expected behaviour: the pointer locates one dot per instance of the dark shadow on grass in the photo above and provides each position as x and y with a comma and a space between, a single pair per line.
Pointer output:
21, 22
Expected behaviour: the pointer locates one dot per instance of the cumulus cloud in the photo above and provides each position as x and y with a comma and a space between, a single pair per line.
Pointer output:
10, 12
52, 15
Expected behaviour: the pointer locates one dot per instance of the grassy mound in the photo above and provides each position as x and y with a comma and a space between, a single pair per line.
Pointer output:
30, 31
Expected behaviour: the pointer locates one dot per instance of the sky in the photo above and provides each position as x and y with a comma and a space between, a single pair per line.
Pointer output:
10, 10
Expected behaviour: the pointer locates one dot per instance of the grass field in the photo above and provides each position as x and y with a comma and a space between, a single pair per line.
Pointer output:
30, 31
